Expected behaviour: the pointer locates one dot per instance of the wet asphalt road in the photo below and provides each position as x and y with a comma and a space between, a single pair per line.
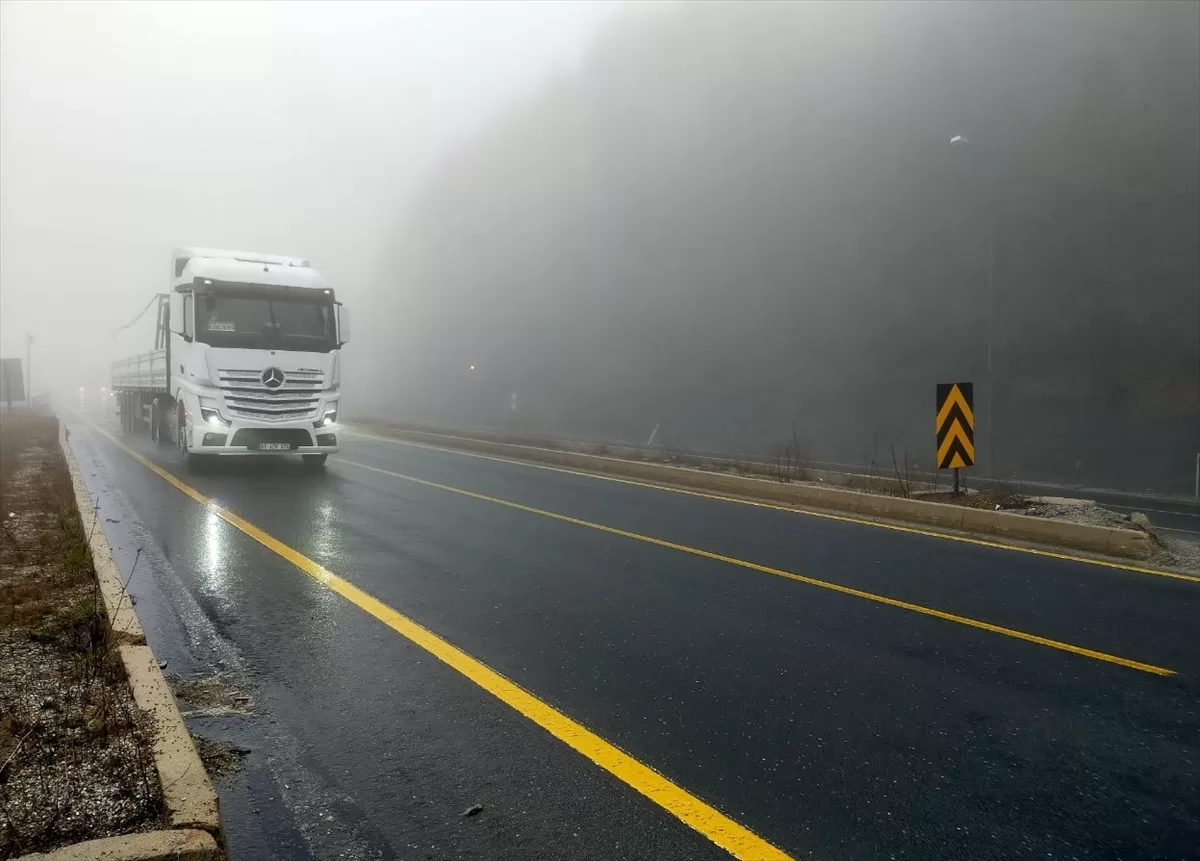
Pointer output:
832, 726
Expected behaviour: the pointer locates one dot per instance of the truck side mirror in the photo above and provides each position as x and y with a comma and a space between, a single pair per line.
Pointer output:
343, 324
177, 314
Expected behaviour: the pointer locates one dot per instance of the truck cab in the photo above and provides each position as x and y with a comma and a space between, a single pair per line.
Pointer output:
252, 362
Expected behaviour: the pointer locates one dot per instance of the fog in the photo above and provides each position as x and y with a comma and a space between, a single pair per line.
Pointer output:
128, 129
736, 223
744, 224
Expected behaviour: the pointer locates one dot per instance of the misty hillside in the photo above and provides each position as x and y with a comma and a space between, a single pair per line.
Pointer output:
733, 219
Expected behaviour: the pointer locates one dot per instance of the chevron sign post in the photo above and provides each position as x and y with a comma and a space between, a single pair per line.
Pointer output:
955, 427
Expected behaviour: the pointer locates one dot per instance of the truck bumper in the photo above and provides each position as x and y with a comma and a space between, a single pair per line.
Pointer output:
241, 439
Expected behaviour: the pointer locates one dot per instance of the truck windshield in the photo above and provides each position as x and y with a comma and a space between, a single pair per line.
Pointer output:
253, 320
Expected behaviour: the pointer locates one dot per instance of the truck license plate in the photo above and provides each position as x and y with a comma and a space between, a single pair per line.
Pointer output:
274, 446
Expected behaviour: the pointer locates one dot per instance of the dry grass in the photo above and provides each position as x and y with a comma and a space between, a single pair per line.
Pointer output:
74, 748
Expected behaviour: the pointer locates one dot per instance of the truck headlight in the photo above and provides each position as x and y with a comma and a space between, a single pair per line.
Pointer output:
329, 417
210, 415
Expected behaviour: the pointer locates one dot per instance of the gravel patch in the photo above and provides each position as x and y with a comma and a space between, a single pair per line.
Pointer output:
220, 758
75, 761
208, 696
1177, 554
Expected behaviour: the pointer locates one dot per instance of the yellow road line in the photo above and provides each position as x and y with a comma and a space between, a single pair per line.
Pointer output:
736, 839
807, 512
811, 581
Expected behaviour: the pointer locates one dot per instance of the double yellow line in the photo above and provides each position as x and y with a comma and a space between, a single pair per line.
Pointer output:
720, 829
736, 839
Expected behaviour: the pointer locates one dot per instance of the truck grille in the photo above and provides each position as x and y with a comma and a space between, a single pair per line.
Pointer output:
246, 396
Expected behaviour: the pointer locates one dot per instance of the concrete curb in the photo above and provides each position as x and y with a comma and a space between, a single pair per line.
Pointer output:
1105, 540
189, 801
188, 796
149, 846
117, 604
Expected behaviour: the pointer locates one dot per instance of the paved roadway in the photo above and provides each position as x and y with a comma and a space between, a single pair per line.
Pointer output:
827, 724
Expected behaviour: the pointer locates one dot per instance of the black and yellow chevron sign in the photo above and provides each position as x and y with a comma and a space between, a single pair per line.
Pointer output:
955, 425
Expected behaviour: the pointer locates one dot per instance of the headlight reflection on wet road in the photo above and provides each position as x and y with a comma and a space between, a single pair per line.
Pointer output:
213, 566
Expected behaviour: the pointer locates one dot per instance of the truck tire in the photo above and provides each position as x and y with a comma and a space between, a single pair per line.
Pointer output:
314, 461
163, 409
191, 460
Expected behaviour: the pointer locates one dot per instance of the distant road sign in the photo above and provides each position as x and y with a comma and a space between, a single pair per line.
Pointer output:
12, 381
955, 425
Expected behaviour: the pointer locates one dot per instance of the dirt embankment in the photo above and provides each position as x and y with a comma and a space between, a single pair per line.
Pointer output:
75, 760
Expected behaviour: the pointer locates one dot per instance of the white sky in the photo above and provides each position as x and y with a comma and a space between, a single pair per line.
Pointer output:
127, 129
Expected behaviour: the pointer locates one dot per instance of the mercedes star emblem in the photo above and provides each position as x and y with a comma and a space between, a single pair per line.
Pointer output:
272, 378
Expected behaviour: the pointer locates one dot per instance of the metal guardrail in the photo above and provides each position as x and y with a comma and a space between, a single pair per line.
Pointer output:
143, 371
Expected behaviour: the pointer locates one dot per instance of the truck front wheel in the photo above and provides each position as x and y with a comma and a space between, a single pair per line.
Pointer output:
191, 459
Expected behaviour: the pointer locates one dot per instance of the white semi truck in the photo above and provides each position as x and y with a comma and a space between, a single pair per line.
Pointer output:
247, 360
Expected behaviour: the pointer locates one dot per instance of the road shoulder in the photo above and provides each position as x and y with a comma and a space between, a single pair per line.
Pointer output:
189, 801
